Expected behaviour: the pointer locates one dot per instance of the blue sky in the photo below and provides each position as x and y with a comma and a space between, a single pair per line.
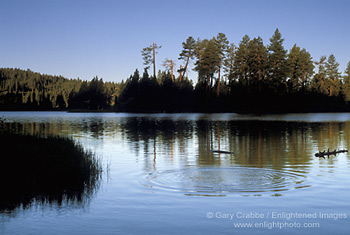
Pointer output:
82, 38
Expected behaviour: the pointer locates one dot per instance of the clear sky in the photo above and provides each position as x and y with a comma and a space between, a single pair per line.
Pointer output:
83, 38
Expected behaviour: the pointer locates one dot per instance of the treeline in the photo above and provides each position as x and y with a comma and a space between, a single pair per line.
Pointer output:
27, 90
249, 77
161, 94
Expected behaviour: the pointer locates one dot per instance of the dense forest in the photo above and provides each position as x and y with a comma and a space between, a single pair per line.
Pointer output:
249, 77
27, 90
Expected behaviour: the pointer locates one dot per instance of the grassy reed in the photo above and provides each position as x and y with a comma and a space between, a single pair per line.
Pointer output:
45, 169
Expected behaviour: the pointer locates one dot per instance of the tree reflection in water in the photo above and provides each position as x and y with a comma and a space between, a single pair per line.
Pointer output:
184, 141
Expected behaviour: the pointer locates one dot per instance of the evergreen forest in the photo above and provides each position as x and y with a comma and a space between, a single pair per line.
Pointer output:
250, 77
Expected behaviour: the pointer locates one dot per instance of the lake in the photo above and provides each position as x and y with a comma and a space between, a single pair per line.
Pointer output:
198, 174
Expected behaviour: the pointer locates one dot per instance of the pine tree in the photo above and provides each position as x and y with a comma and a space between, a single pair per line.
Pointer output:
169, 65
222, 44
346, 85
319, 83
199, 50
187, 53
229, 62
300, 67
208, 64
333, 75
307, 67
149, 56
293, 66
321, 64
241, 68
277, 59
257, 60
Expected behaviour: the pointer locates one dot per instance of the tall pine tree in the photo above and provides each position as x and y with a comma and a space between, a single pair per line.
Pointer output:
333, 75
346, 85
208, 64
241, 67
229, 62
187, 54
277, 65
319, 83
300, 68
149, 56
222, 44
257, 60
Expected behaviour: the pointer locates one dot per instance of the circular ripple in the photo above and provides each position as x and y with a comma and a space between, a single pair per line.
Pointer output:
226, 180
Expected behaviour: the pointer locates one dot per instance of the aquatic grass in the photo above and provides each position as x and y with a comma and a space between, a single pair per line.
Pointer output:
45, 169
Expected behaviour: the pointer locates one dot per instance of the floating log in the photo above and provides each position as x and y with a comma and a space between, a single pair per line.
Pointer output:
220, 151
335, 152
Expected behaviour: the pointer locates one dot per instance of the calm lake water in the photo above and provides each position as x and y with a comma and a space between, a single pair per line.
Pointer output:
162, 177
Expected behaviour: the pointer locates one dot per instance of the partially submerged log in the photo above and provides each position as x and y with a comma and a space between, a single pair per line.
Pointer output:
220, 151
335, 152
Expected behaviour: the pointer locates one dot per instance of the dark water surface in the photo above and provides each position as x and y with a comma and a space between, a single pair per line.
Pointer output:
163, 177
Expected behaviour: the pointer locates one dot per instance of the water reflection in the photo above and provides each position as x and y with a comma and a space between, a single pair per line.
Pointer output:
255, 143
270, 155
